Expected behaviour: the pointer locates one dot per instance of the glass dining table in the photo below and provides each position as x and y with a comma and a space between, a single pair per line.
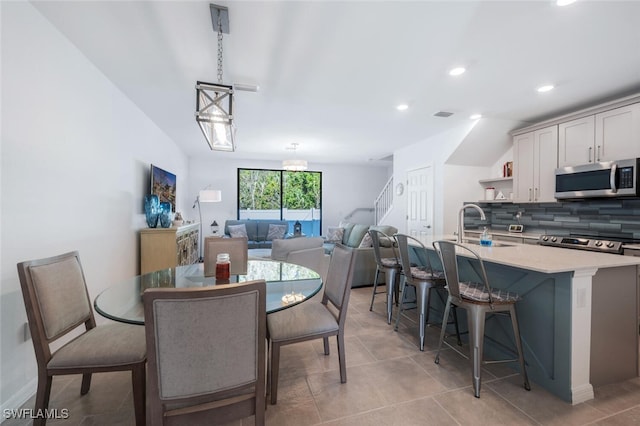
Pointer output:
287, 285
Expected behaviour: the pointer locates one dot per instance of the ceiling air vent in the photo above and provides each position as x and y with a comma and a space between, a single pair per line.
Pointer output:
443, 114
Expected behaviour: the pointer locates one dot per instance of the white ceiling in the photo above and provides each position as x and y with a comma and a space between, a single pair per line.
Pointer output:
331, 73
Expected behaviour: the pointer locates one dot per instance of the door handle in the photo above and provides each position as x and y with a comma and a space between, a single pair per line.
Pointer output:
590, 151
530, 194
535, 196
427, 226
612, 178
598, 157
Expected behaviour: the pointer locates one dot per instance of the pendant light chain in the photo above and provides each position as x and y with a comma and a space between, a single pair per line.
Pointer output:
219, 47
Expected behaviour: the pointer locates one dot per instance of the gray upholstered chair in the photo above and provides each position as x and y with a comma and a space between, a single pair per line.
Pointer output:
390, 266
478, 299
313, 319
423, 278
57, 302
238, 253
307, 252
207, 350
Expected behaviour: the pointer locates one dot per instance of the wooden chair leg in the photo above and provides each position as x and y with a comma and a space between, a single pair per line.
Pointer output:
274, 371
86, 384
341, 358
42, 396
325, 341
139, 382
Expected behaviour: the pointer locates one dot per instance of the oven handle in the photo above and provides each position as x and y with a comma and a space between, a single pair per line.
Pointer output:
612, 177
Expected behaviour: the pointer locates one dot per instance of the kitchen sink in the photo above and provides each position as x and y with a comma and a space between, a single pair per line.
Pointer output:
493, 243
477, 242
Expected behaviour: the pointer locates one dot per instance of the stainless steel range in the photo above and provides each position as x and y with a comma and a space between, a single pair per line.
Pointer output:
581, 243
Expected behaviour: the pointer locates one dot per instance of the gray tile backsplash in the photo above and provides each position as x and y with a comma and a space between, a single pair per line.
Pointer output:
613, 219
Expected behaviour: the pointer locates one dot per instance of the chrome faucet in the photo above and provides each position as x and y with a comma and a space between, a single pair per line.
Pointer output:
461, 219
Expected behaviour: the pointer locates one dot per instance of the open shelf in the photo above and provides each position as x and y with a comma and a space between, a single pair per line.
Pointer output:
494, 180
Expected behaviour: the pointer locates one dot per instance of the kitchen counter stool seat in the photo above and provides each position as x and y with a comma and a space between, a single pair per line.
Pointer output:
478, 299
390, 266
423, 278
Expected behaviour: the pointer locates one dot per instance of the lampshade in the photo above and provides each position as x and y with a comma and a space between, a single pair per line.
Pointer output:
294, 165
210, 196
214, 114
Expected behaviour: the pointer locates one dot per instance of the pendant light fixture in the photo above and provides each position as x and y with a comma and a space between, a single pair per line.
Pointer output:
294, 164
214, 101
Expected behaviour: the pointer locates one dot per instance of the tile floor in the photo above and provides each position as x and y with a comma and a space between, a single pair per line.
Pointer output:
390, 382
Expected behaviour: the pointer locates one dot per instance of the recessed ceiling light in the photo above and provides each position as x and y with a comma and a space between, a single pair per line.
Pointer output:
564, 2
457, 71
402, 107
545, 88
476, 116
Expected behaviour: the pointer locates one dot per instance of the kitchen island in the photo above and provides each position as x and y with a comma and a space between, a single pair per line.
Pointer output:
578, 317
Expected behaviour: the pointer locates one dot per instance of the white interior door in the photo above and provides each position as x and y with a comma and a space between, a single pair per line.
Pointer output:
420, 202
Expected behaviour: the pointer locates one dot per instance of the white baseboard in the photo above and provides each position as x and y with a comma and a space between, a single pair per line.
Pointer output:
581, 394
19, 398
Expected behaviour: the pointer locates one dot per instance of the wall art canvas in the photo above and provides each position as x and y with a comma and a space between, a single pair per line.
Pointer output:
163, 184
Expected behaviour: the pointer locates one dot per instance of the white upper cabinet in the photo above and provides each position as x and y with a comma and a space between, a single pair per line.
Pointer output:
617, 133
606, 136
576, 141
535, 160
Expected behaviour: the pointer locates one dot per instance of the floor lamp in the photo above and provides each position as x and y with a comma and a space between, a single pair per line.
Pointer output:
205, 196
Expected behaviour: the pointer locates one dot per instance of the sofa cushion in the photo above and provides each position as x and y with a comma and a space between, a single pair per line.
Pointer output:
238, 231
276, 232
357, 234
348, 227
335, 234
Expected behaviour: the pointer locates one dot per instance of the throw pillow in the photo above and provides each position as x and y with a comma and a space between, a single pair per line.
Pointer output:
238, 231
389, 231
357, 234
276, 232
366, 241
335, 234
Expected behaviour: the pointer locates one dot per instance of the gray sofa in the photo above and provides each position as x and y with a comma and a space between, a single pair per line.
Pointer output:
365, 262
257, 230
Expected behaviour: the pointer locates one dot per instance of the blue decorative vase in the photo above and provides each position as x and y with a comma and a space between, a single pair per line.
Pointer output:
165, 214
152, 209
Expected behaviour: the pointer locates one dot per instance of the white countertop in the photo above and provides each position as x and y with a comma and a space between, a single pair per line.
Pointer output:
548, 260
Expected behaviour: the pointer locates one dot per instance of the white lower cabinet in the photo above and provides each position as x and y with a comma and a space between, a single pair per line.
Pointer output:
535, 160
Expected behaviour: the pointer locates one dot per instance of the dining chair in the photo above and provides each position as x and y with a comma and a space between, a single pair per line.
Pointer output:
57, 302
207, 353
423, 278
390, 266
307, 252
238, 249
314, 319
478, 299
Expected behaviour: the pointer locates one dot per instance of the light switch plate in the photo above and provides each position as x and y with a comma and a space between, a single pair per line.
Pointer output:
516, 228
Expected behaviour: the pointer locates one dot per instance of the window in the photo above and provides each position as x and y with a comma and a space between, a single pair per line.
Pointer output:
282, 195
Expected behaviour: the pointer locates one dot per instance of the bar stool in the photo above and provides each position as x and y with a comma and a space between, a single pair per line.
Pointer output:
423, 278
477, 299
390, 266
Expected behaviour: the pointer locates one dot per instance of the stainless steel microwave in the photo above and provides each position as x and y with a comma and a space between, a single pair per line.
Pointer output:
605, 179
